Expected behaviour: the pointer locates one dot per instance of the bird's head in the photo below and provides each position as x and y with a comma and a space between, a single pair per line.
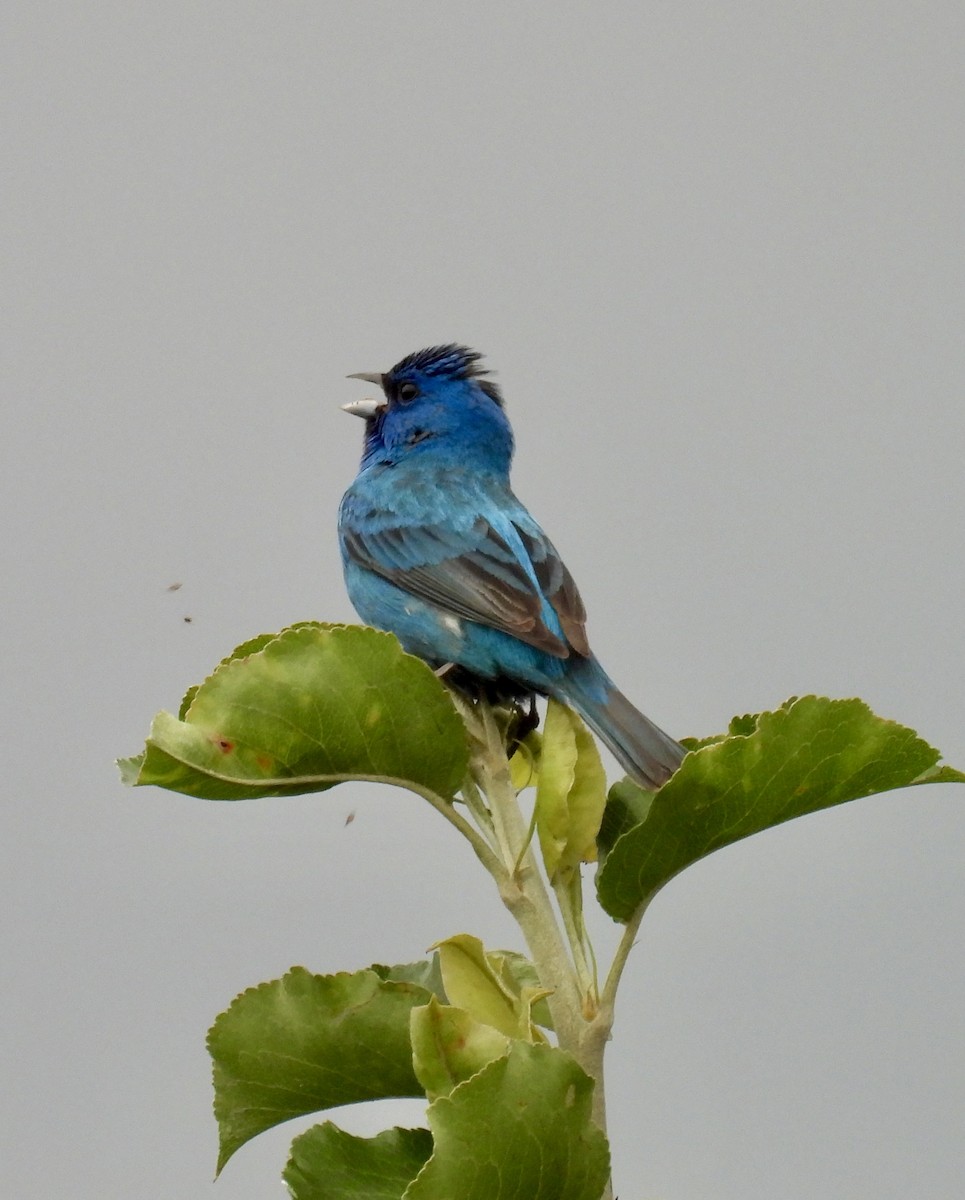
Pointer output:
436, 402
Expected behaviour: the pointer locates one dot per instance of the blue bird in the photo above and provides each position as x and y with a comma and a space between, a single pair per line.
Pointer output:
437, 549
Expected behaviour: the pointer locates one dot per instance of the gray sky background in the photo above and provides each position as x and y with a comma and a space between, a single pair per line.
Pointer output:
715, 253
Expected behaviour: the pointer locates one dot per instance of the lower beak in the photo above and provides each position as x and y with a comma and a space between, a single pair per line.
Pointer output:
364, 408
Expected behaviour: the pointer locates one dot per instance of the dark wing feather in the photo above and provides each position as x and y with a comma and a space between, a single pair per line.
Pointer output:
558, 586
475, 574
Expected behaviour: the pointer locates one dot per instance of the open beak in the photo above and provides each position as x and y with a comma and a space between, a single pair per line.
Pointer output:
366, 409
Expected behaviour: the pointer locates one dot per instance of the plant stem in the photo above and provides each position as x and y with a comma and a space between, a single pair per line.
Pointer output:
608, 996
478, 810
569, 899
523, 891
484, 852
582, 1018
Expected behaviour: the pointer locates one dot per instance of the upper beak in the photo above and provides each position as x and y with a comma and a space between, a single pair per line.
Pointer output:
369, 407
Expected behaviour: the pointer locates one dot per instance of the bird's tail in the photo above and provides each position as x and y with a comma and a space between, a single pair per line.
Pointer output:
646, 753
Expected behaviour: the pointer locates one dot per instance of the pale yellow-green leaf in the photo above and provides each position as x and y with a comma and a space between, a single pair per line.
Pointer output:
571, 792
448, 1046
482, 987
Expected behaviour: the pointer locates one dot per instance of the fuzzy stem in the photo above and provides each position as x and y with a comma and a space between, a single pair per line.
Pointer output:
582, 1021
478, 810
483, 851
569, 899
608, 996
523, 891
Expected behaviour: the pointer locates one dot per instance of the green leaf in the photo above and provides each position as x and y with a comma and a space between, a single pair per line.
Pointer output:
518, 1130
327, 1163
425, 974
811, 754
485, 987
571, 792
303, 710
252, 646
448, 1046
519, 977
307, 1042
524, 764
627, 805
941, 773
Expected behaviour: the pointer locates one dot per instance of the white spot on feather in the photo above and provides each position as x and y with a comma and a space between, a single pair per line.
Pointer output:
453, 624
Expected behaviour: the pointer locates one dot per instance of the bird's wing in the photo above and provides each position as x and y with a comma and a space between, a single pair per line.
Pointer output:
475, 573
557, 584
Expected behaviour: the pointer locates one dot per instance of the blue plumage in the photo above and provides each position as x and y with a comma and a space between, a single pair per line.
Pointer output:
437, 549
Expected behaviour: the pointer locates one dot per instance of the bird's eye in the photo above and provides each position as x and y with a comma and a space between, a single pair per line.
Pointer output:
407, 392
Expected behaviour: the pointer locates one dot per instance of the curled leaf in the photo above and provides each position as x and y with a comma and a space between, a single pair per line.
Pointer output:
571, 792
305, 709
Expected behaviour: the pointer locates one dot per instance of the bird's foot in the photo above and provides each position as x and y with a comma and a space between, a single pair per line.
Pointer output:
522, 723
516, 702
